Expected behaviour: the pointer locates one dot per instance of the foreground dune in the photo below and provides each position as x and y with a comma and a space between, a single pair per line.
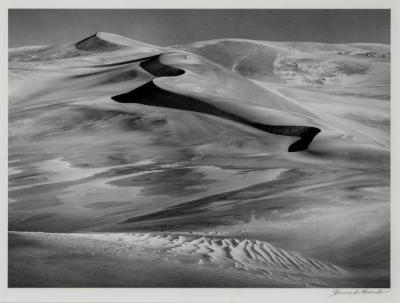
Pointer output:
240, 262
122, 154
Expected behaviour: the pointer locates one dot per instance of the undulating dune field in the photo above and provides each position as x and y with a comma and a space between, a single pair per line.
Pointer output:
220, 163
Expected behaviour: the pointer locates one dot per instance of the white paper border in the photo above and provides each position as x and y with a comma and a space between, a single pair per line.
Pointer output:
200, 294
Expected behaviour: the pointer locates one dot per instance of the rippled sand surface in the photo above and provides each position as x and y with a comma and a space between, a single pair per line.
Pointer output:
199, 196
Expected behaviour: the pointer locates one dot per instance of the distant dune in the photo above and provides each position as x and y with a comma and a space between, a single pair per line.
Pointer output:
134, 165
299, 62
110, 42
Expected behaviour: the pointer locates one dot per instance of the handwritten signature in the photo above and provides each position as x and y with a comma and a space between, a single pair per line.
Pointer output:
364, 291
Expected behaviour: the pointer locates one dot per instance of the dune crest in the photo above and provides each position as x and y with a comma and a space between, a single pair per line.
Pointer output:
102, 41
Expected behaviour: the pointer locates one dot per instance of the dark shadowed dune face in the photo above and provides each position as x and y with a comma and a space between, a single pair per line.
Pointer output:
150, 94
158, 69
256, 163
96, 44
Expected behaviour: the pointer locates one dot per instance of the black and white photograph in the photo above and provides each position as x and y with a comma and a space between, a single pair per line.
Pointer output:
199, 148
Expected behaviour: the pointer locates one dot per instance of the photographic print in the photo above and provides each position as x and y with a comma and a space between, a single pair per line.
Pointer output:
199, 148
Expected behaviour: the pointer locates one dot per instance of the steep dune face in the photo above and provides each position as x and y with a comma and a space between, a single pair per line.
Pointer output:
198, 142
108, 42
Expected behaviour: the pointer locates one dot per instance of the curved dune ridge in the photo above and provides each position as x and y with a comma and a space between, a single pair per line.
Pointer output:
251, 256
151, 94
158, 69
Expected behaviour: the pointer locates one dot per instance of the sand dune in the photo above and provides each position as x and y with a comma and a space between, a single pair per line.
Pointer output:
299, 62
210, 253
197, 145
108, 42
151, 94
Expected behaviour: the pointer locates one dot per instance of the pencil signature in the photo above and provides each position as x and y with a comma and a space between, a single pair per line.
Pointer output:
364, 291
